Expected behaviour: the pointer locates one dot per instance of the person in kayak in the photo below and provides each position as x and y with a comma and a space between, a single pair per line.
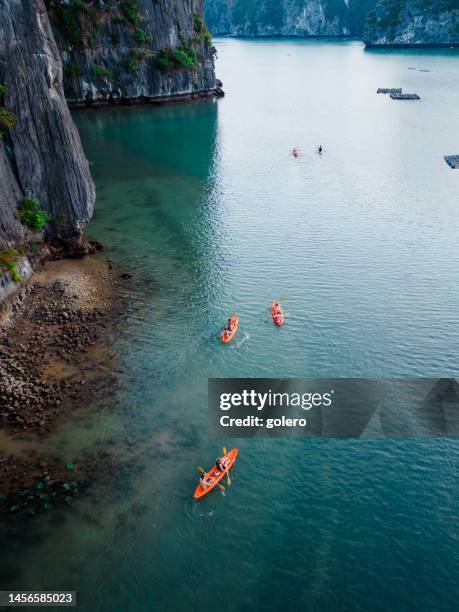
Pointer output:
295, 151
320, 149
229, 326
205, 480
222, 464
277, 309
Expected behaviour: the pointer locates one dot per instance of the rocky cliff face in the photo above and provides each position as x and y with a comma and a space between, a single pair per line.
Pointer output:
111, 50
131, 49
379, 22
413, 22
277, 17
41, 155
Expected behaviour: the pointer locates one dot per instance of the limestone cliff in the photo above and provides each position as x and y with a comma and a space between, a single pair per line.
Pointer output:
277, 17
40, 154
413, 22
379, 22
111, 50
132, 49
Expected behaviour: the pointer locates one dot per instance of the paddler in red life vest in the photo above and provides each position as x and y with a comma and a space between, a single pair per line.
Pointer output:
295, 151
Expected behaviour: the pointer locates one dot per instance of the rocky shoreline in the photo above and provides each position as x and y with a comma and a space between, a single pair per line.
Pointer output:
52, 350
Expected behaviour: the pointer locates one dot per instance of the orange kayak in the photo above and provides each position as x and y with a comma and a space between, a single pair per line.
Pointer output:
216, 475
277, 314
228, 336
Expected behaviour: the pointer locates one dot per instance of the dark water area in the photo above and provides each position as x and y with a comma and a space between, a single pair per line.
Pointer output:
204, 205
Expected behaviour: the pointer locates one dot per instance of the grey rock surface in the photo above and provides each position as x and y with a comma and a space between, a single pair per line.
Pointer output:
407, 23
112, 52
46, 153
11, 231
277, 17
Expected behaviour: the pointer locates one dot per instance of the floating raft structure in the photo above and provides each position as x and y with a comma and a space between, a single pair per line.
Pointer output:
389, 90
452, 161
404, 96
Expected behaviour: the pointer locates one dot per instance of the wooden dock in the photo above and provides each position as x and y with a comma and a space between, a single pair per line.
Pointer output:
404, 96
390, 90
452, 161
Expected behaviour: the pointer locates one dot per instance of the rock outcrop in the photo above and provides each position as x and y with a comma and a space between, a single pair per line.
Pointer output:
41, 154
277, 17
133, 49
413, 23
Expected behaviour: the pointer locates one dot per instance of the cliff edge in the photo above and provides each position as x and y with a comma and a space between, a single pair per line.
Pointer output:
402, 23
133, 49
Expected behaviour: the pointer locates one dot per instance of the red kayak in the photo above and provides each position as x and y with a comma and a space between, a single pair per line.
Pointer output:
226, 335
277, 314
215, 475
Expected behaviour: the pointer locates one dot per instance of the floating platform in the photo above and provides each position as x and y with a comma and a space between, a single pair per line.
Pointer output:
452, 161
402, 96
390, 90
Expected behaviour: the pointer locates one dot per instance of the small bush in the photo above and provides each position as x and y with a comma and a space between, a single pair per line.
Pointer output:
67, 18
203, 34
132, 62
131, 11
99, 71
2, 89
72, 71
164, 60
142, 37
32, 216
7, 121
8, 263
183, 57
198, 23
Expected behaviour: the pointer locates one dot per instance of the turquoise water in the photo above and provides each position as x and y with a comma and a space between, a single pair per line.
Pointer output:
209, 211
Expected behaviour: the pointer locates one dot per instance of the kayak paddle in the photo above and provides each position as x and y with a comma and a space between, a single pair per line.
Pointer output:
225, 452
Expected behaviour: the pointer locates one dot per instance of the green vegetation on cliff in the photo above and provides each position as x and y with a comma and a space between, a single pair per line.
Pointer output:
31, 215
8, 264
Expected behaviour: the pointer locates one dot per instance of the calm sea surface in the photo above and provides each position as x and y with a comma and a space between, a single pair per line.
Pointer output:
205, 206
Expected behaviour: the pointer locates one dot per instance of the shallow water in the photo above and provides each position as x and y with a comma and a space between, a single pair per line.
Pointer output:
206, 207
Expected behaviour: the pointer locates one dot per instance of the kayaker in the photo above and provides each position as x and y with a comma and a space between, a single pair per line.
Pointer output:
295, 151
320, 149
205, 481
221, 463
